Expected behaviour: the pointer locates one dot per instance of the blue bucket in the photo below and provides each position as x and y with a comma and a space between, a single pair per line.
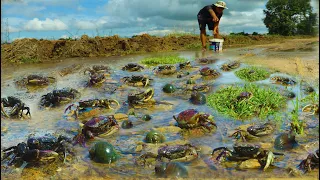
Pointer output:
215, 46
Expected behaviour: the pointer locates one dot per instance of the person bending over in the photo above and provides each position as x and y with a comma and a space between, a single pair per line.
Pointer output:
210, 15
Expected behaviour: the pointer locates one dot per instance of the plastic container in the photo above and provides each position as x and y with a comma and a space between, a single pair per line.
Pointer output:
216, 44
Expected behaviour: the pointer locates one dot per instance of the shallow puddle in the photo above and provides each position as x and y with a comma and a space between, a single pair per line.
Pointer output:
126, 140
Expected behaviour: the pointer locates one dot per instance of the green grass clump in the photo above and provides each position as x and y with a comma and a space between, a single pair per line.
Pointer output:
311, 98
296, 124
251, 74
29, 60
153, 61
264, 102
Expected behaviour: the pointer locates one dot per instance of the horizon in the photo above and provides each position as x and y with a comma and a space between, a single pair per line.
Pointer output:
55, 19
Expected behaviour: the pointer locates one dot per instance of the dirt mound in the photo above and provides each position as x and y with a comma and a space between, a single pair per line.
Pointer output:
35, 51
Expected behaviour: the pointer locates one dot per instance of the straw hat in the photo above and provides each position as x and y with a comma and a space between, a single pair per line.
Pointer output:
221, 4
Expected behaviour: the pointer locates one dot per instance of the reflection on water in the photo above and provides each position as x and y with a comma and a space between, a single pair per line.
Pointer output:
126, 140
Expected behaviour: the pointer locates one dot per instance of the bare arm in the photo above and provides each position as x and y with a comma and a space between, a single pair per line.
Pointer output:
214, 16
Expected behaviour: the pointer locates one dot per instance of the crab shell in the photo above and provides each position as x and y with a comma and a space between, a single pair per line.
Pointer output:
101, 125
166, 69
142, 96
205, 71
190, 117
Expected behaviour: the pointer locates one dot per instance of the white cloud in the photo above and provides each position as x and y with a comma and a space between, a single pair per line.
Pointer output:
47, 24
160, 32
9, 29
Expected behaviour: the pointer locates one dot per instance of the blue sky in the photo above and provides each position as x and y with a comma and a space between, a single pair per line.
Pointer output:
53, 19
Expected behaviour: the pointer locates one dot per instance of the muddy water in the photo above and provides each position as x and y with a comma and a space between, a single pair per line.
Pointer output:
126, 140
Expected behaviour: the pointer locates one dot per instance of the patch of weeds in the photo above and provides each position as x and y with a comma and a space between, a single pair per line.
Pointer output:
153, 61
264, 101
296, 124
29, 60
311, 98
252, 74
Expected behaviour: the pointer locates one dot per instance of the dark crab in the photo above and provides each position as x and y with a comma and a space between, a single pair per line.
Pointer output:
192, 118
36, 80
39, 149
140, 97
182, 153
17, 108
70, 69
207, 60
132, 67
243, 152
283, 81
58, 97
230, 66
97, 126
97, 78
97, 69
185, 65
206, 71
137, 80
244, 96
254, 131
165, 69
92, 103
310, 163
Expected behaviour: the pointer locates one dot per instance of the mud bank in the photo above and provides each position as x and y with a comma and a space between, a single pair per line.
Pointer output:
26, 51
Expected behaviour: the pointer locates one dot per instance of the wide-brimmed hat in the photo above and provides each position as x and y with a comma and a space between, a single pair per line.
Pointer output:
221, 4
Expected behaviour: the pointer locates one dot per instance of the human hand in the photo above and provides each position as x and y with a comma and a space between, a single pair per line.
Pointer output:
215, 19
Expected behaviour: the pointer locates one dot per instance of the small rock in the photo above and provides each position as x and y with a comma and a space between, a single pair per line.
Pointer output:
250, 164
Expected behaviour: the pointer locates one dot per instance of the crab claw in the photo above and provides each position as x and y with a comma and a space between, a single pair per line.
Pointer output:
40, 155
3, 111
113, 101
270, 159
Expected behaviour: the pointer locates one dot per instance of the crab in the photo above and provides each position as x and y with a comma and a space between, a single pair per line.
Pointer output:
36, 80
182, 153
244, 96
91, 103
97, 69
254, 131
310, 163
132, 67
165, 69
230, 66
207, 60
198, 87
140, 97
70, 69
207, 72
185, 65
137, 80
17, 108
313, 108
39, 149
283, 81
97, 126
97, 78
58, 97
192, 118
243, 152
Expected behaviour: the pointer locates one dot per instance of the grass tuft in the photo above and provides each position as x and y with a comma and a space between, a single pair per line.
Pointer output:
153, 61
252, 73
264, 102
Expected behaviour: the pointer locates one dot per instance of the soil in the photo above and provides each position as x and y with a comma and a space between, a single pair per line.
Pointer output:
23, 51
276, 56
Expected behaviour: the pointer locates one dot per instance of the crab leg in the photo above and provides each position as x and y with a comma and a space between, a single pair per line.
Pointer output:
270, 159
3, 111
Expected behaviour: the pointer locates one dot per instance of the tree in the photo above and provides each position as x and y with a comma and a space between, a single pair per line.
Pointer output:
290, 17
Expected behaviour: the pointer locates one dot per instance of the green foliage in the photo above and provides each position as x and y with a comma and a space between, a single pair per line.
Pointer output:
296, 124
264, 102
194, 46
153, 61
252, 74
290, 17
311, 98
